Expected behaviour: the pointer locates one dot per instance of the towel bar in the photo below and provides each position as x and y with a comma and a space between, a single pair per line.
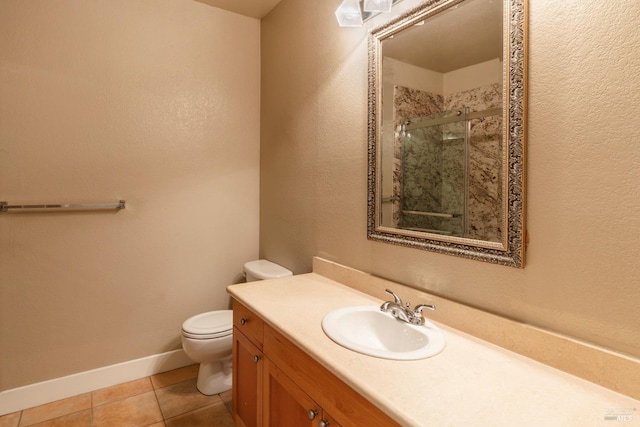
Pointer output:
5, 206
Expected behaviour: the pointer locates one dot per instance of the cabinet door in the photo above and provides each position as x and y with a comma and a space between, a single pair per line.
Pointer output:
248, 368
285, 404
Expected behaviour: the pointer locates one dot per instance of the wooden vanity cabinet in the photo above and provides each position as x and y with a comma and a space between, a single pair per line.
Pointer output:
276, 384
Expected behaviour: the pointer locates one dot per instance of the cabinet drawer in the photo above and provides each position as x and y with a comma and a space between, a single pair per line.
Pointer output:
248, 323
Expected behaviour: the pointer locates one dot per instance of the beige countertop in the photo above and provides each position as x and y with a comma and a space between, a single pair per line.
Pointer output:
470, 383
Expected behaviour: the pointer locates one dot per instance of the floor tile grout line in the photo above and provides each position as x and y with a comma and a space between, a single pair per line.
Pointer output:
138, 393
55, 418
155, 393
188, 412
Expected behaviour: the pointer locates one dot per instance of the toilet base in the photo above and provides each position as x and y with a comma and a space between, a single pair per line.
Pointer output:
215, 377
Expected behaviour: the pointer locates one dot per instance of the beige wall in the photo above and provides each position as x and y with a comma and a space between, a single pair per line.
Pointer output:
582, 275
152, 101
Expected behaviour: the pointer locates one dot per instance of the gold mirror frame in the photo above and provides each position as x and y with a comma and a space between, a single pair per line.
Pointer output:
510, 250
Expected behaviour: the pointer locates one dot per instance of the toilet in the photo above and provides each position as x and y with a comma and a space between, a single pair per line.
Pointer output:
207, 337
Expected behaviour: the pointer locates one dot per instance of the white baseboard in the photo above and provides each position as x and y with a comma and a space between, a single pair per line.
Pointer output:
20, 398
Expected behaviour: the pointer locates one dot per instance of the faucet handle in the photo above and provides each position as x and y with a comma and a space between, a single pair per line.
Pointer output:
418, 309
396, 298
417, 318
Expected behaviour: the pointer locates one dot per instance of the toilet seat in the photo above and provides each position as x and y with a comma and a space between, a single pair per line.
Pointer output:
209, 325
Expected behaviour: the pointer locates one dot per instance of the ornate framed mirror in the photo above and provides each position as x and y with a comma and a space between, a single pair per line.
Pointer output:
447, 125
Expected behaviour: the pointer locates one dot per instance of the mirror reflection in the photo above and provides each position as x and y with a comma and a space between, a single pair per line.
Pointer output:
446, 86
442, 156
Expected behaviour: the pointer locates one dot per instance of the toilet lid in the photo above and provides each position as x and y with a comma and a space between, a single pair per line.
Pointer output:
212, 324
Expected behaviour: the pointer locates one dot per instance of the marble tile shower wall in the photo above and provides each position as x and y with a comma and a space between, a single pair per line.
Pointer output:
426, 173
485, 161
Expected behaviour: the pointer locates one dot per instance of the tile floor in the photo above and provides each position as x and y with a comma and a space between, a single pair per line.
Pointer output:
169, 399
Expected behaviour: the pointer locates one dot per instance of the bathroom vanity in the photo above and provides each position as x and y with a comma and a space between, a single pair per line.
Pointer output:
278, 384
285, 366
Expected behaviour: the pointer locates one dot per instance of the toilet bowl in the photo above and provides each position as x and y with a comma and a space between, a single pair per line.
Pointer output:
207, 338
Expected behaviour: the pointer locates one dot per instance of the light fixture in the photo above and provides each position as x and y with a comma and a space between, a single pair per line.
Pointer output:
377, 5
353, 13
349, 14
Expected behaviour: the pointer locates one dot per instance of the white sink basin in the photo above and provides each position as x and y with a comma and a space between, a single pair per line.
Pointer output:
368, 330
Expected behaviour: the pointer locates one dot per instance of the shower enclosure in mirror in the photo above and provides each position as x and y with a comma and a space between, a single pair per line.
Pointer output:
445, 181
446, 129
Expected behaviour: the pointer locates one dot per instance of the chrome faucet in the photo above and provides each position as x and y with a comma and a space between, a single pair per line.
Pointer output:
403, 311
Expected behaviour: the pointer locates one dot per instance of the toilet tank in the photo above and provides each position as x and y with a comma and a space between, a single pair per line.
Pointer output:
263, 269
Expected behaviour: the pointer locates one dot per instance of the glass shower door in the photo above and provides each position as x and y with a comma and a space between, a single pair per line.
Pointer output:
434, 181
